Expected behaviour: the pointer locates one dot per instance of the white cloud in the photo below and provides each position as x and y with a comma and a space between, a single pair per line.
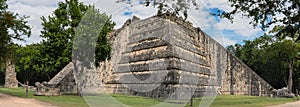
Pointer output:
117, 10
240, 26
221, 4
208, 24
35, 10
225, 41
199, 17
35, 2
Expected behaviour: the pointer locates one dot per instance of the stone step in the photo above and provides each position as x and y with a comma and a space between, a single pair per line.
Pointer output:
65, 71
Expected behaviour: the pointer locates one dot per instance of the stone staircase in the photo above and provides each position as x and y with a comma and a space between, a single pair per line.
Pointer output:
61, 75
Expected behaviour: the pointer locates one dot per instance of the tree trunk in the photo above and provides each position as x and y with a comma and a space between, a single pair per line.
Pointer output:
27, 86
10, 75
290, 80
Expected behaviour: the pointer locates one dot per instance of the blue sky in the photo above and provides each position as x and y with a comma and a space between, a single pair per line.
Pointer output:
220, 29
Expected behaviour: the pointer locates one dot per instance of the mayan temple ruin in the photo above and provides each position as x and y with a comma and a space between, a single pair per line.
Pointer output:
162, 56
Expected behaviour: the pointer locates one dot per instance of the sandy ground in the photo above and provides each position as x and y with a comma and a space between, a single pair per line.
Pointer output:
290, 104
11, 101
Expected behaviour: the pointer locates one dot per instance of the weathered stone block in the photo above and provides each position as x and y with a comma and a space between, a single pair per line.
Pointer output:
45, 90
10, 75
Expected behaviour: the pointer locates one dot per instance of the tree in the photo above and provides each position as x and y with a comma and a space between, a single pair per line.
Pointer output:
87, 44
235, 49
286, 51
58, 35
12, 27
283, 14
27, 63
271, 58
177, 7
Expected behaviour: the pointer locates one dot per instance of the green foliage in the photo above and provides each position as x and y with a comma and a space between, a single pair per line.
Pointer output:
59, 31
103, 47
28, 59
2, 69
269, 57
2, 75
13, 26
87, 44
265, 13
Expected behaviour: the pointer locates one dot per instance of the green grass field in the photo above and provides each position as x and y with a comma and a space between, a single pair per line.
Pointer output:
63, 101
135, 101
248, 101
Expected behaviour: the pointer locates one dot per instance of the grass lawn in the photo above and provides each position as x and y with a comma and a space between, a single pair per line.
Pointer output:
63, 101
135, 101
248, 101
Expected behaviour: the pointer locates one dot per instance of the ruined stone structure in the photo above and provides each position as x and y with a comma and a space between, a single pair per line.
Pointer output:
61, 83
10, 75
64, 80
186, 56
283, 92
165, 56
44, 89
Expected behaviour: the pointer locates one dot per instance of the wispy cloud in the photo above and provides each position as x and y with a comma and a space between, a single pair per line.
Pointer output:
34, 10
230, 32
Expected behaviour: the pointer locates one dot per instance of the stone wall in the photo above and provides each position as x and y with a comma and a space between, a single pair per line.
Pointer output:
240, 79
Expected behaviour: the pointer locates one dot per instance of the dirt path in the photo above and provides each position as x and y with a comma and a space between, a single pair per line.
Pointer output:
11, 101
290, 104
